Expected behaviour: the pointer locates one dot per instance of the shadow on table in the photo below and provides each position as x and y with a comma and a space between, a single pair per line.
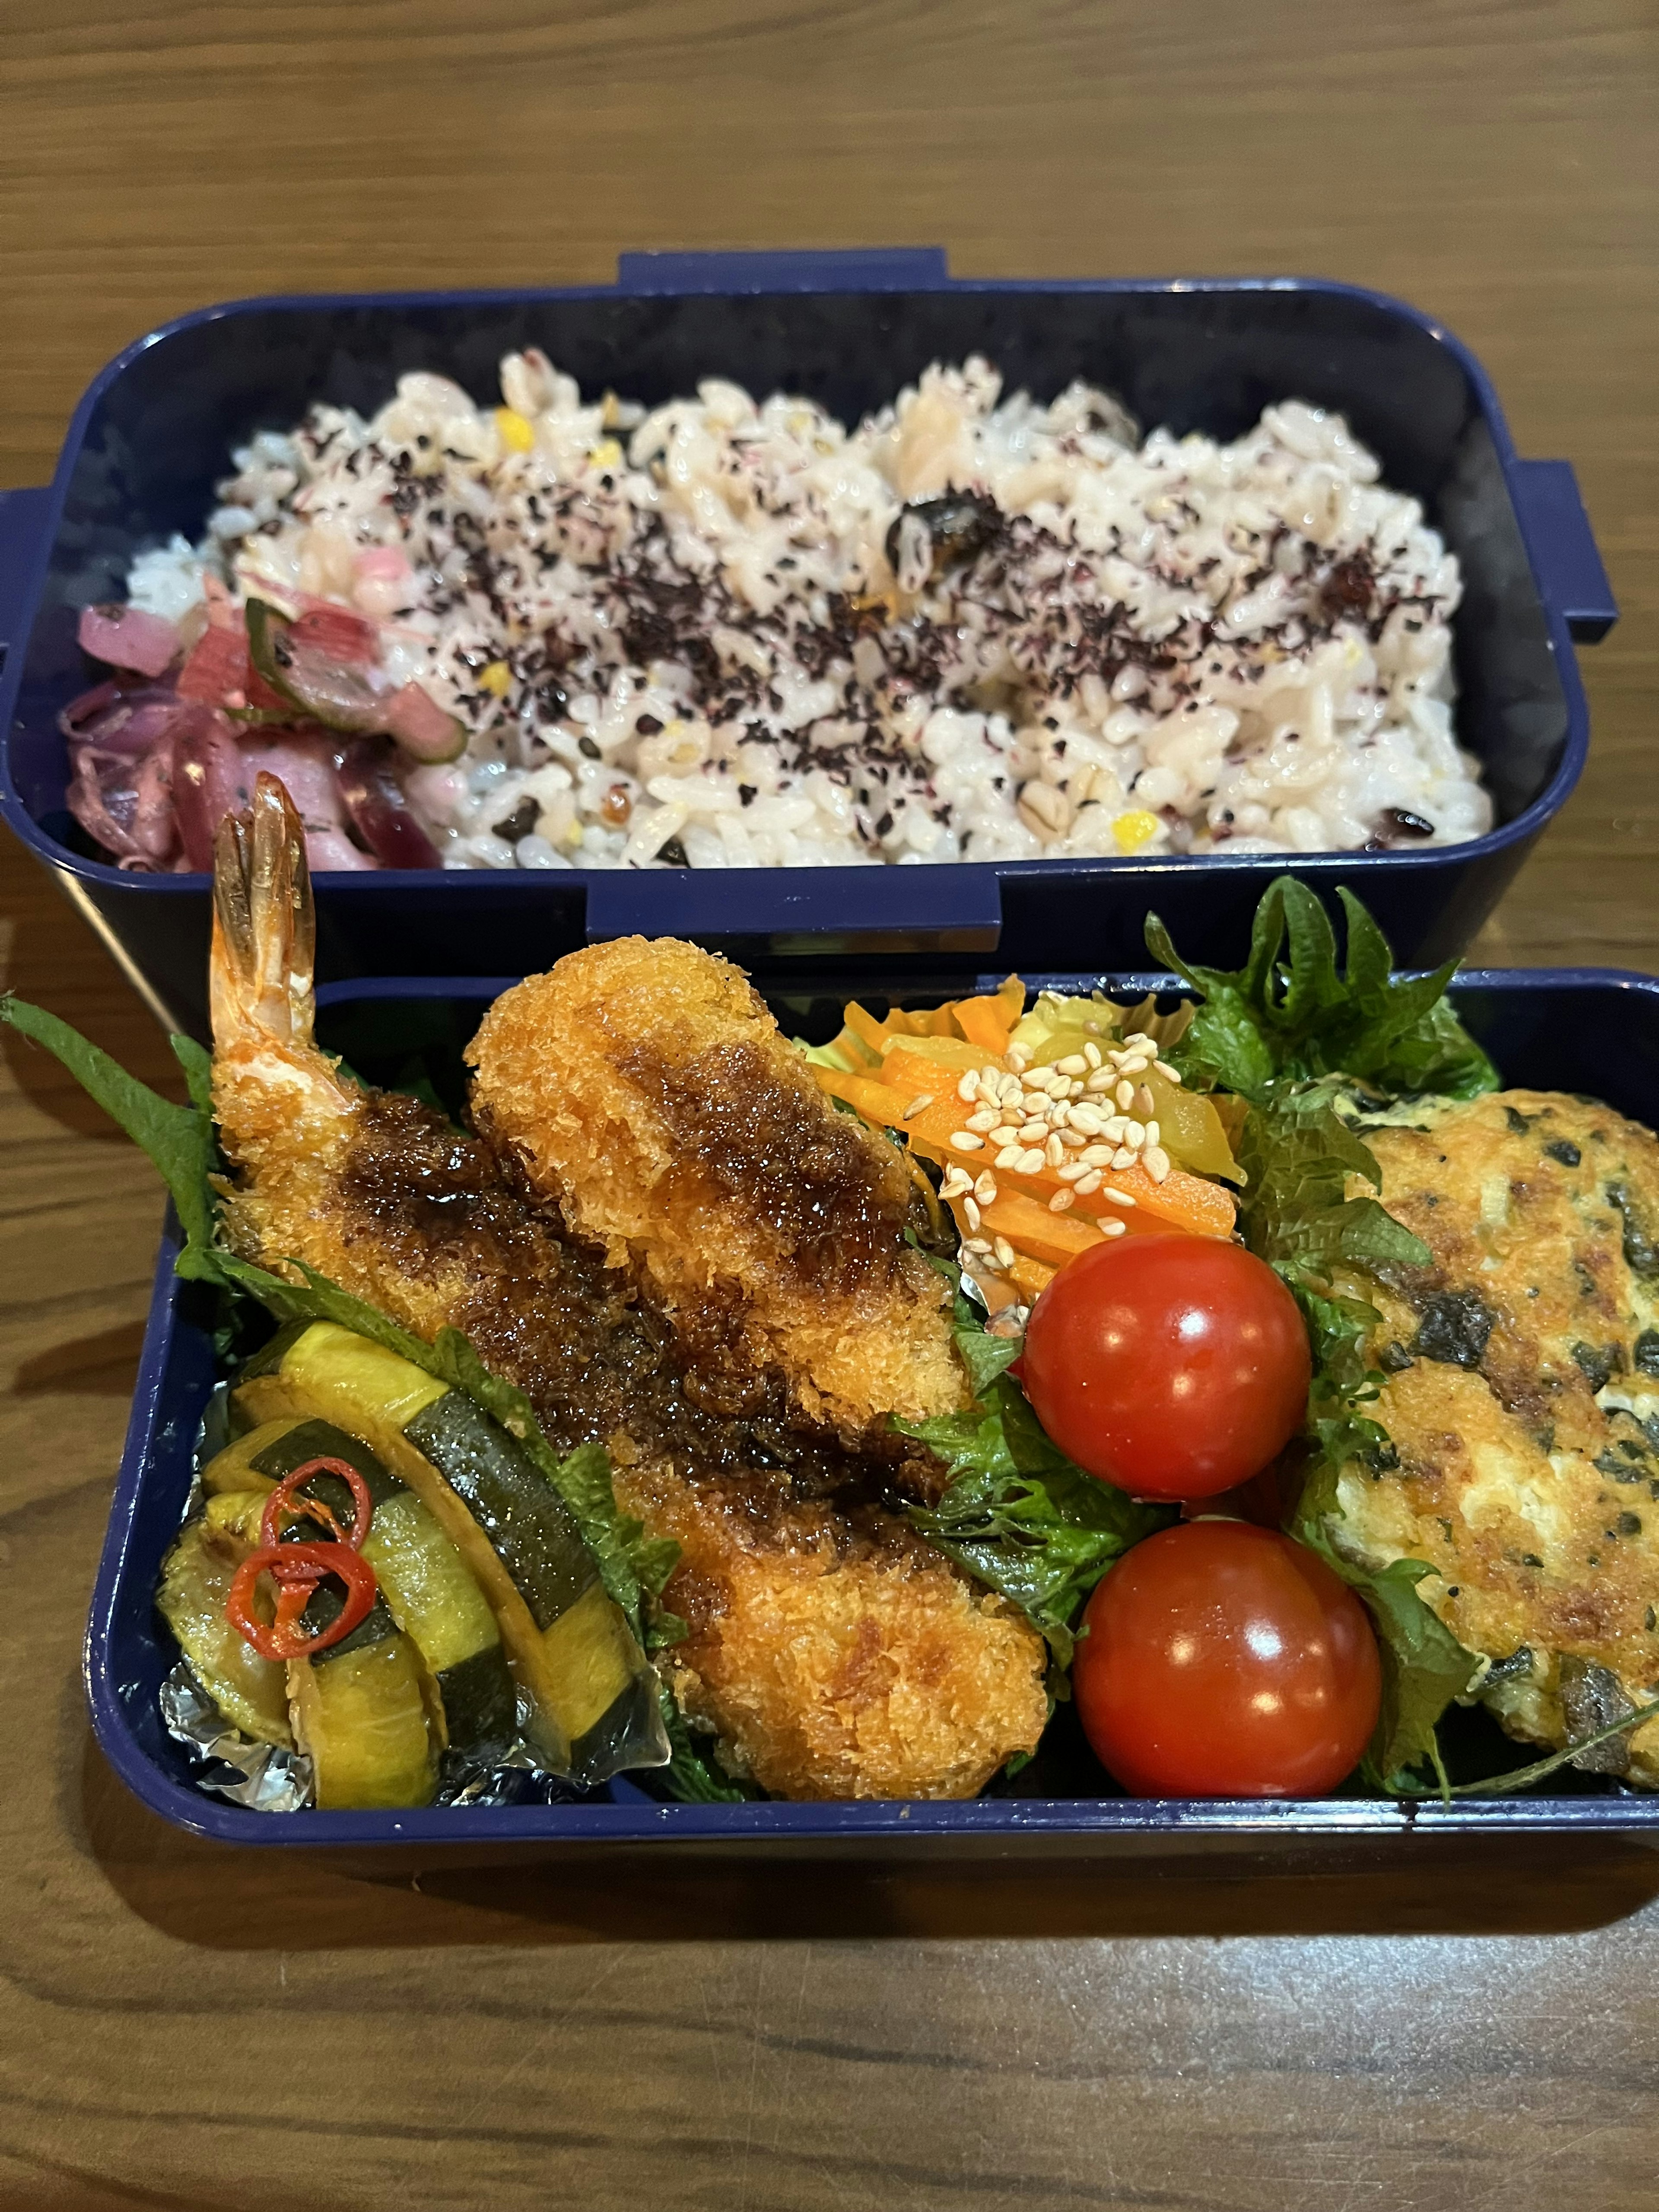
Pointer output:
226, 1898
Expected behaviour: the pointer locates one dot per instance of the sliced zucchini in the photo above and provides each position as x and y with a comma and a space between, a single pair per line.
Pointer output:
431, 1596
252, 1692
361, 1713
590, 1690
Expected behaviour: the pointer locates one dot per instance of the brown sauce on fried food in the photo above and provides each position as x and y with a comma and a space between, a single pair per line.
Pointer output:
595, 1360
770, 1144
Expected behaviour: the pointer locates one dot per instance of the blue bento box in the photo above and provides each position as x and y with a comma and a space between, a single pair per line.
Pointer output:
156, 428
1593, 1030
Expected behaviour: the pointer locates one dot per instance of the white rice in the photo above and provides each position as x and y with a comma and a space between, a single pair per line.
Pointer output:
677, 638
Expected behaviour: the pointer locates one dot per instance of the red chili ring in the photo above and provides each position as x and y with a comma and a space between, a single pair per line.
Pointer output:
282, 1499
297, 1569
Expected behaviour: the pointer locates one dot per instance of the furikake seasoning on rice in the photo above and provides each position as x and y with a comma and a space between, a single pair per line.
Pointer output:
736, 633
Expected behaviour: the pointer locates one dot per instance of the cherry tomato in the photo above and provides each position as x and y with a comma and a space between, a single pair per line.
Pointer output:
1173, 1366
1224, 1661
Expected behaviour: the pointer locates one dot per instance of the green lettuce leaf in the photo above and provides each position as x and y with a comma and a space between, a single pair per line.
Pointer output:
1017, 1515
1424, 1665
1299, 1154
691, 1774
1292, 1011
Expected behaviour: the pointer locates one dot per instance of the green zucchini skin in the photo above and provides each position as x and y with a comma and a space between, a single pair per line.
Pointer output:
427, 1591
577, 1664
529, 1525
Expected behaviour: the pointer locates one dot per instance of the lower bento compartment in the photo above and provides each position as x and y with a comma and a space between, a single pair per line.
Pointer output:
1594, 1033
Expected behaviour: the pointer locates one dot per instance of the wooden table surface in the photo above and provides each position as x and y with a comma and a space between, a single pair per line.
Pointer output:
186, 2026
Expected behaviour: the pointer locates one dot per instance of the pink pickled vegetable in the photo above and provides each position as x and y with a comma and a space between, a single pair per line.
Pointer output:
339, 634
127, 637
332, 850
422, 727
211, 778
378, 811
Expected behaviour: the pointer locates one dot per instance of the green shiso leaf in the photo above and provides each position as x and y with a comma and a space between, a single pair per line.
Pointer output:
1291, 1012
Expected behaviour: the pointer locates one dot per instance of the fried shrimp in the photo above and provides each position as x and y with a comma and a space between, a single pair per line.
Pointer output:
832, 1653
644, 1088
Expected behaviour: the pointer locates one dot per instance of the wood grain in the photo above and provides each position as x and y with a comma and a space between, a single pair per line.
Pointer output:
182, 2026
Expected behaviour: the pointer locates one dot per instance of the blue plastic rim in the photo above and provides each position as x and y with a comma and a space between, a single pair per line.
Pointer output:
1593, 1030
156, 427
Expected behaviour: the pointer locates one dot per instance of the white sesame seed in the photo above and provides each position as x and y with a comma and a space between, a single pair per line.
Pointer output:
1004, 1252
1137, 1064
919, 1105
972, 1213
1168, 1072
1061, 1118
1073, 1064
1061, 1200
1153, 1134
1145, 1102
1054, 1151
1138, 1040
1034, 1133
1134, 1136
963, 1140
985, 1119
1009, 1088
1089, 1183
1156, 1161
969, 1086
1113, 1228
954, 1182
1091, 1052
1005, 1133
1030, 1163
1123, 1158
987, 1091
1102, 1079
1118, 1197
985, 1189
1019, 1056
979, 1246
1098, 1156
1086, 1119
1007, 1157
1125, 1095
1073, 1171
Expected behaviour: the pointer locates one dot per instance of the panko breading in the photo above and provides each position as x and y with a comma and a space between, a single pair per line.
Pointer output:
834, 1653
1524, 1403
645, 1090
850, 1661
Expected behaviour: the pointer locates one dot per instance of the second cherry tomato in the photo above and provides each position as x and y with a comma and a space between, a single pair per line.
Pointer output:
1224, 1661
1172, 1366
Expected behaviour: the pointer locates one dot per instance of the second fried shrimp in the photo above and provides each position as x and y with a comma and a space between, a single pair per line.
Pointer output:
644, 1088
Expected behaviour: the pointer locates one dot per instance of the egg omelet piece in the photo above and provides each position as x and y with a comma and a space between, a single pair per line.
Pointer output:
1523, 1399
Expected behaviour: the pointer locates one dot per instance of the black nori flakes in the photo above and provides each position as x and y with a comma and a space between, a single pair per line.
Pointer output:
1641, 1252
1395, 1360
1645, 1356
1453, 1329
1565, 1150
1598, 1363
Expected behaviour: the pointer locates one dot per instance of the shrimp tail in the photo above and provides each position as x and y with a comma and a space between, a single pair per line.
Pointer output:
264, 923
